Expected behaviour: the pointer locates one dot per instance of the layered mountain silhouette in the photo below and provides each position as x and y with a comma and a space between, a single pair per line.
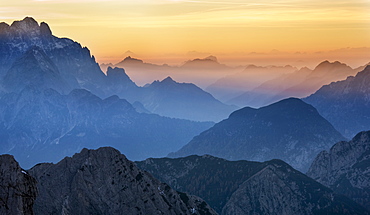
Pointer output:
346, 103
104, 181
200, 71
345, 168
290, 130
39, 126
251, 77
245, 187
300, 83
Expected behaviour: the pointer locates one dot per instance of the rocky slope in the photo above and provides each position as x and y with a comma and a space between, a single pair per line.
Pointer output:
345, 104
346, 168
17, 188
39, 126
245, 187
290, 130
103, 181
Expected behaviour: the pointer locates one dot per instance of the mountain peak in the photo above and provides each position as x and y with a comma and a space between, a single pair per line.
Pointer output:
330, 65
168, 80
129, 58
212, 58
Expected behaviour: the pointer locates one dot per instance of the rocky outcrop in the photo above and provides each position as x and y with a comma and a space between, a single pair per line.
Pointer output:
17, 188
103, 181
346, 168
290, 130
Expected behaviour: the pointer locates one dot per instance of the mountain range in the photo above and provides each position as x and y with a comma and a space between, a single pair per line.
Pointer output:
245, 187
290, 130
104, 181
345, 168
345, 104
300, 83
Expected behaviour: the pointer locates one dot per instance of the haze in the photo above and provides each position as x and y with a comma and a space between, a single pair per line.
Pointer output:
236, 31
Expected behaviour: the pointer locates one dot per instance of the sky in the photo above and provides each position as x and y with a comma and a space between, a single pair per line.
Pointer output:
239, 31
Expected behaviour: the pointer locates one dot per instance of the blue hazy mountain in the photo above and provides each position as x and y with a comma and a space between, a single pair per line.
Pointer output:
36, 69
345, 168
290, 130
75, 63
43, 125
346, 104
180, 100
245, 187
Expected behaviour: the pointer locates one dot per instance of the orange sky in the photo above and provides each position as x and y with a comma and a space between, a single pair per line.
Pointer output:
167, 30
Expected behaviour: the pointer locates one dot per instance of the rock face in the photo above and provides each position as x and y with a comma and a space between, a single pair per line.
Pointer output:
346, 104
39, 126
345, 168
103, 181
245, 187
290, 130
17, 188
75, 64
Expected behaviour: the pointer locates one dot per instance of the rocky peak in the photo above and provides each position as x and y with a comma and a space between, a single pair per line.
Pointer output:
345, 168
103, 181
17, 188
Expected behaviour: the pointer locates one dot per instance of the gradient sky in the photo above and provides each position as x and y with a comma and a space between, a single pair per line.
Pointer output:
168, 29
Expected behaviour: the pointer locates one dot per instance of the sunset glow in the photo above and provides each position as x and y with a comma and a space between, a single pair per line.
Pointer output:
167, 30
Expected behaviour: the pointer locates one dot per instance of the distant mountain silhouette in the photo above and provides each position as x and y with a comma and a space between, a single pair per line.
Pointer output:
346, 103
298, 84
183, 100
251, 77
202, 72
245, 187
290, 130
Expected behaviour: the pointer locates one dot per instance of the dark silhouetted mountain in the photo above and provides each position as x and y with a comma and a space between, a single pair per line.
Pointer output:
103, 181
183, 100
251, 77
75, 64
214, 179
346, 168
17, 189
245, 187
290, 130
38, 126
34, 68
346, 104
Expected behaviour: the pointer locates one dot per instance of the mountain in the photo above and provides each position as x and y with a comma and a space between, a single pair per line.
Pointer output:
38, 126
245, 187
17, 188
272, 90
346, 104
200, 71
252, 76
75, 64
103, 181
183, 100
345, 168
290, 130
298, 84
34, 68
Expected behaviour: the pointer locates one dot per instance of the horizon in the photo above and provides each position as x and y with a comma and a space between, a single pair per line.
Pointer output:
291, 32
